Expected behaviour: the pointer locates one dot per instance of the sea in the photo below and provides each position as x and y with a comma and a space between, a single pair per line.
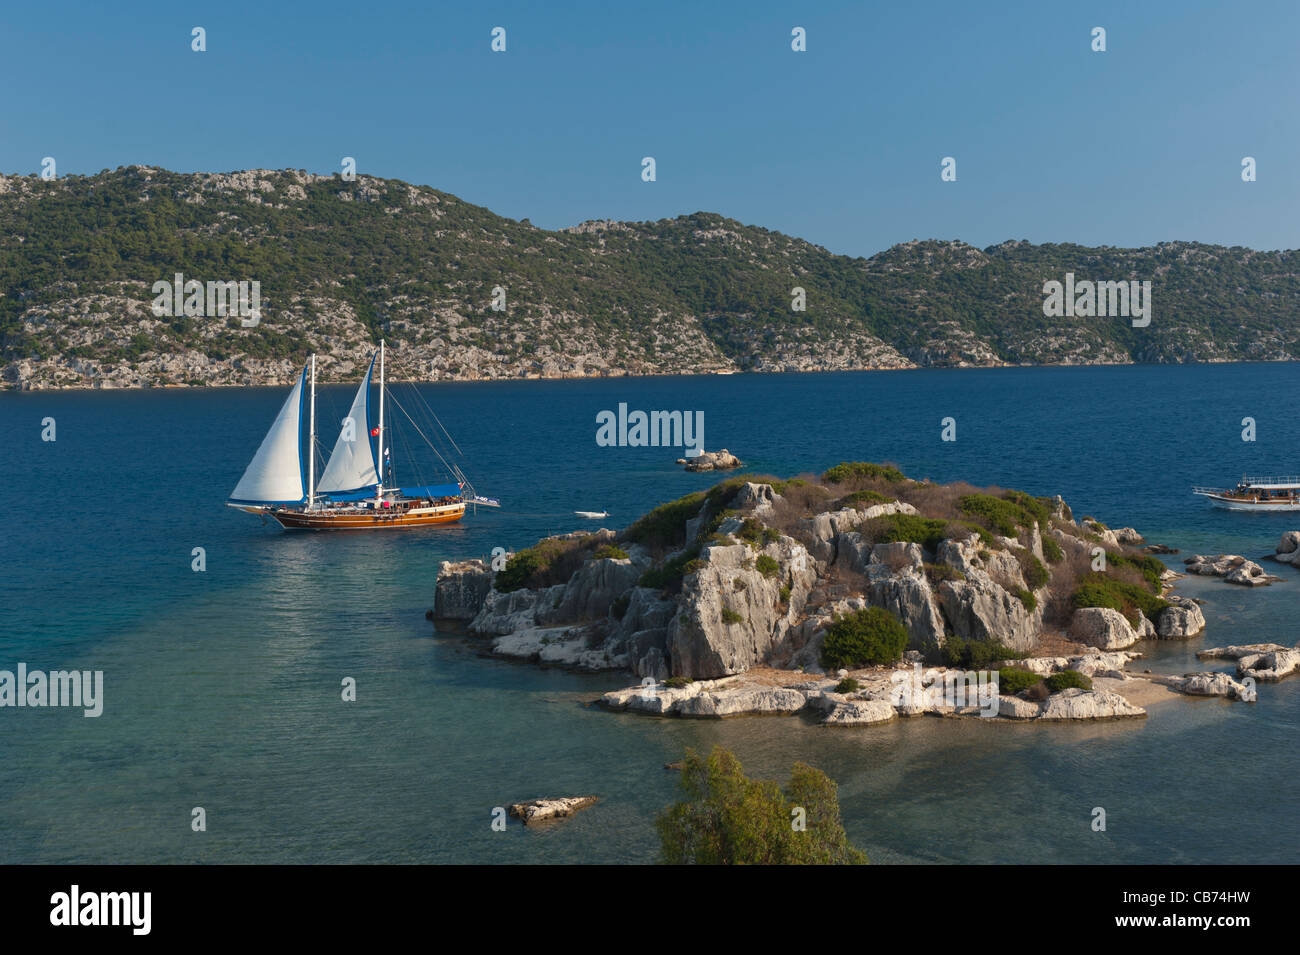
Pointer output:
225, 676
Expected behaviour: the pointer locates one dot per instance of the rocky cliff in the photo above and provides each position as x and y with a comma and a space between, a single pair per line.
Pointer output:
755, 572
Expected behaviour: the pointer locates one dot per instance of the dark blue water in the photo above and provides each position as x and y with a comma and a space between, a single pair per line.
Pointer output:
223, 687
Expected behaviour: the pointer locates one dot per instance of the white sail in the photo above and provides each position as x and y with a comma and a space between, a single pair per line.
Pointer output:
275, 473
352, 463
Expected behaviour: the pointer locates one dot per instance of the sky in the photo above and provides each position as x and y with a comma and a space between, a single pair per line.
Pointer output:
841, 144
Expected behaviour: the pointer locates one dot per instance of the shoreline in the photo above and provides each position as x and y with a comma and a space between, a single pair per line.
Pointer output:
15, 388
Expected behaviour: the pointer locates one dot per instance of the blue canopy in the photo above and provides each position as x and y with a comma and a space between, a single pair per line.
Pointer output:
433, 490
357, 495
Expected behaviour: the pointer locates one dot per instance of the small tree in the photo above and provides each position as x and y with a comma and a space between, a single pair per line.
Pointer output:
730, 819
873, 636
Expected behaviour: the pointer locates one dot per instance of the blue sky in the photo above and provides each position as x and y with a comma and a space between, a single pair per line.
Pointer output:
840, 145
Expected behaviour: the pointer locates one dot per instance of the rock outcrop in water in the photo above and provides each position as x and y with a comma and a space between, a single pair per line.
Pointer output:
754, 573
1233, 568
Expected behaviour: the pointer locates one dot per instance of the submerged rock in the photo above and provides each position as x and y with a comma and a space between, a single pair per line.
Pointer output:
1266, 662
1208, 684
1233, 568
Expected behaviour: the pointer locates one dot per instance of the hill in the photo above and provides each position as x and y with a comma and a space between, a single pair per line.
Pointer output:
342, 263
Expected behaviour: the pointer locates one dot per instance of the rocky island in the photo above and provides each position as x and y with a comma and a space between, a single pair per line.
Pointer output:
858, 595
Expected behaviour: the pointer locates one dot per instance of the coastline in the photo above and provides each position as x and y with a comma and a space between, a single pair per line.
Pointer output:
27, 387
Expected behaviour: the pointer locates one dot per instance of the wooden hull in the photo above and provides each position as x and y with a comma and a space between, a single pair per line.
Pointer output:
352, 519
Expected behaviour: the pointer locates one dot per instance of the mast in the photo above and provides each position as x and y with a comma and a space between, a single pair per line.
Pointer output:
311, 441
379, 490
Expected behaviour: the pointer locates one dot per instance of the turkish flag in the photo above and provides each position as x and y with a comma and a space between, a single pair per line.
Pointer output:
374, 432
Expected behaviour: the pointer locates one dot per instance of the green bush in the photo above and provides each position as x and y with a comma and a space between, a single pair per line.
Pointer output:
1052, 550
729, 819
976, 654
870, 637
730, 616
847, 685
937, 573
1035, 574
549, 561
850, 470
669, 575
1012, 681
665, 526
1067, 679
677, 682
767, 566
750, 531
1101, 590
863, 499
1151, 568
1005, 515
609, 552
785, 593
1028, 599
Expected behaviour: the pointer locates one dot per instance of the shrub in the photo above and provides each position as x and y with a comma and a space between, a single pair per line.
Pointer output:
729, 819
677, 682
665, 526
619, 607
1012, 681
863, 499
1000, 514
609, 552
1052, 550
1067, 679
751, 531
669, 575
847, 685
1151, 568
730, 616
739, 584
976, 654
1028, 599
849, 470
1101, 590
549, 561
785, 593
936, 573
767, 566
869, 637
1035, 574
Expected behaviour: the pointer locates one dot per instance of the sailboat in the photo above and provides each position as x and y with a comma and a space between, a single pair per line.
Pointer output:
352, 493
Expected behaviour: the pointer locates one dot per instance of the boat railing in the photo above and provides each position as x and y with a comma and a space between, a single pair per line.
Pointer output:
1210, 490
1281, 479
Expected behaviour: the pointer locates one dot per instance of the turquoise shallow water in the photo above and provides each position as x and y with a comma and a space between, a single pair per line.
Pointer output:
223, 688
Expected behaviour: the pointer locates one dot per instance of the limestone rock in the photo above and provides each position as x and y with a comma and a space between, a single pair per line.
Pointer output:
544, 810
460, 591
859, 712
1103, 628
722, 460
1079, 704
1208, 684
1183, 619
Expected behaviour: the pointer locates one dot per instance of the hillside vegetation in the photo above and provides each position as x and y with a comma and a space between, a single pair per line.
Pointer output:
342, 263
